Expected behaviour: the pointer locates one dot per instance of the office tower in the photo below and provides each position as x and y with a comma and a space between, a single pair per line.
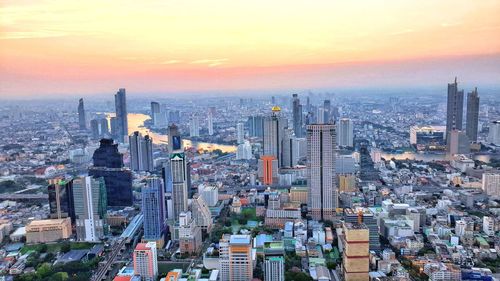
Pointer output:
472, 117
286, 148
494, 134
308, 104
121, 115
178, 172
297, 117
201, 213
210, 194
113, 121
491, 184
174, 116
454, 108
345, 133
82, 120
108, 163
367, 217
155, 112
210, 123
255, 126
268, 170
194, 126
235, 255
345, 164
323, 194
240, 133
274, 126
154, 211
190, 238
355, 262
489, 225
174, 139
327, 112
458, 143
61, 203
244, 151
99, 128
141, 152
89, 196
274, 261
145, 261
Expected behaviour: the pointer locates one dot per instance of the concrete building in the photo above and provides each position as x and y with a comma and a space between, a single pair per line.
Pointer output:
194, 126
82, 118
323, 192
472, 117
458, 143
210, 123
61, 204
236, 258
494, 134
491, 184
345, 133
240, 133
154, 211
428, 137
244, 151
274, 126
268, 169
190, 239
46, 231
121, 123
141, 152
367, 217
209, 193
145, 261
274, 261
90, 200
201, 214
298, 127
355, 263
178, 173
489, 225
454, 108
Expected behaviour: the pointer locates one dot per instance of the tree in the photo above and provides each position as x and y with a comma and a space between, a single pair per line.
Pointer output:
65, 247
297, 276
331, 265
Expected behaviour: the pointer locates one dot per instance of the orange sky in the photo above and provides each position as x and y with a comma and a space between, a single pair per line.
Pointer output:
80, 47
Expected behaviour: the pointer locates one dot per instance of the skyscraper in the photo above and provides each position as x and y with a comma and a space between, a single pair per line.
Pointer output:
297, 117
155, 112
194, 126
141, 152
178, 172
82, 119
61, 200
121, 115
201, 213
454, 108
367, 217
268, 169
327, 112
210, 123
494, 133
145, 261
323, 193
174, 139
472, 117
345, 133
235, 257
255, 126
274, 126
108, 163
153, 208
99, 128
458, 143
274, 261
240, 133
355, 263
89, 196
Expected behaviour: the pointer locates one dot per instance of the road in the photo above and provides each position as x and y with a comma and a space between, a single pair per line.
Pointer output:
103, 268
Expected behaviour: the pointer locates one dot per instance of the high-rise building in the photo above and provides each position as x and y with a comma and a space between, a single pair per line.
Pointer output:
201, 213
178, 172
89, 196
154, 211
99, 128
190, 238
491, 184
174, 139
194, 126
145, 261
327, 112
268, 170
108, 164
255, 126
323, 193
274, 261
209, 193
82, 119
155, 112
210, 123
489, 225
274, 127
235, 255
298, 128
472, 117
141, 152
367, 217
494, 134
345, 133
286, 148
244, 151
355, 263
61, 203
458, 143
240, 133
121, 115
454, 108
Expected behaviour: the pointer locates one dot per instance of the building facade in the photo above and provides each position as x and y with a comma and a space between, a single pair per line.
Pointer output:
90, 208
145, 261
121, 115
472, 117
141, 152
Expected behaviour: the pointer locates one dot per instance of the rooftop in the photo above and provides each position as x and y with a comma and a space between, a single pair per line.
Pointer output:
240, 239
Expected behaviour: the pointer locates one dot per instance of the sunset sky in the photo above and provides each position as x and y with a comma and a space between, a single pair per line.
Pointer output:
64, 47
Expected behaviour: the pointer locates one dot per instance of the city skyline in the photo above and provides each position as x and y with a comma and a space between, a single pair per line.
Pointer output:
61, 48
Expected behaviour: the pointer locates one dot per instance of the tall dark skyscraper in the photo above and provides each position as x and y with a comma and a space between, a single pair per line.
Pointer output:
99, 128
297, 117
61, 203
155, 111
327, 111
454, 108
141, 152
108, 164
153, 208
255, 126
82, 121
472, 117
274, 131
174, 139
121, 115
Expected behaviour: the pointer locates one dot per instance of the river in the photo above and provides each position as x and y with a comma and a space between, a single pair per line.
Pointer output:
428, 157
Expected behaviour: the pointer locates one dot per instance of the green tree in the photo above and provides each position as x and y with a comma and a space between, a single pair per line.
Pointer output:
65, 247
297, 276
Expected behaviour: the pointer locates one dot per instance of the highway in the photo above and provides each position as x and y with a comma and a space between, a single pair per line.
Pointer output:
103, 268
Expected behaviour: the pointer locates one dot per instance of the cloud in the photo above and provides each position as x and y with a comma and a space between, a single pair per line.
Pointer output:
31, 34
210, 62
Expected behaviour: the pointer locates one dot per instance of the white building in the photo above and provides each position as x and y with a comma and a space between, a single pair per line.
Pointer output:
194, 126
491, 184
489, 226
209, 193
145, 261
494, 135
244, 151
345, 133
240, 133
210, 123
